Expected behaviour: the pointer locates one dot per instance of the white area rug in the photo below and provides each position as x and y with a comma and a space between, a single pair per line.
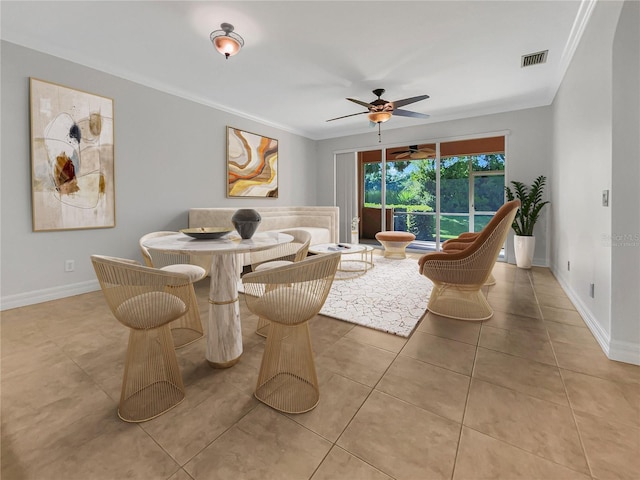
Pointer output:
391, 297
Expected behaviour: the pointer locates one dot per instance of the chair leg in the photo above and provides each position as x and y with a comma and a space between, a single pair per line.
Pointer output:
287, 380
461, 302
188, 328
152, 383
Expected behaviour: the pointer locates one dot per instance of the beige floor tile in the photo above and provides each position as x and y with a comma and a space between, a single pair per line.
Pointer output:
359, 362
467, 332
436, 389
263, 444
122, 452
326, 331
526, 309
510, 321
548, 287
557, 301
526, 376
192, 362
104, 363
23, 362
112, 386
481, 457
402, 440
62, 366
541, 273
376, 338
18, 339
340, 399
25, 399
341, 465
537, 426
559, 332
509, 293
201, 418
92, 343
180, 475
613, 449
244, 374
615, 401
54, 430
593, 361
533, 345
442, 352
562, 315
250, 338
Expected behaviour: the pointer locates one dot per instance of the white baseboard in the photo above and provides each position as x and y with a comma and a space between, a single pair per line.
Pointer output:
625, 352
44, 295
614, 350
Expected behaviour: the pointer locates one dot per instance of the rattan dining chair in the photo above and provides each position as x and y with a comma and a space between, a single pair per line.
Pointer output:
283, 254
459, 276
146, 300
188, 328
289, 296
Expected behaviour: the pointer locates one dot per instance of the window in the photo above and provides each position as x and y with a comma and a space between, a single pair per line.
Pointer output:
435, 197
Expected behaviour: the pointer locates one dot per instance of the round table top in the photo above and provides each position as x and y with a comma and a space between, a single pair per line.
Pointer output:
343, 248
181, 243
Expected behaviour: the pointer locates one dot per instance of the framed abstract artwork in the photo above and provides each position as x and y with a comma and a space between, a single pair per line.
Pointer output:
252, 165
72, 158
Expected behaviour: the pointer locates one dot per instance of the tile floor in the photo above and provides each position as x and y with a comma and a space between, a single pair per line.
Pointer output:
525, 395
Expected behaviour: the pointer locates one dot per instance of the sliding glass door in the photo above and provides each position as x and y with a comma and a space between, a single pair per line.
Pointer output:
435, 191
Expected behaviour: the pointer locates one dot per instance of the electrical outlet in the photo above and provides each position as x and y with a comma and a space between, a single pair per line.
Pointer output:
592, 290
568, 266
69, 265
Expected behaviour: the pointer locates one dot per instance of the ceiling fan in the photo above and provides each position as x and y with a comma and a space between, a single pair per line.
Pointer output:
381, 110
415, 153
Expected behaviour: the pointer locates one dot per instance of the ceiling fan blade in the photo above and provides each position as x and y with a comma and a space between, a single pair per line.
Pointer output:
407, 101
407, 113
402, 155
345, 116
360, 102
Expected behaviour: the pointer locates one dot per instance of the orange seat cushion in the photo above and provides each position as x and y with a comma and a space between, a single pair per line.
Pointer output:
395, 236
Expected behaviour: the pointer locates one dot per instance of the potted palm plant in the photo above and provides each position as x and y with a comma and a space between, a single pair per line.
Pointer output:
526, 217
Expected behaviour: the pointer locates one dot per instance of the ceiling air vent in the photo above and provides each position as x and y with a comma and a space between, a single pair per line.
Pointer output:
534, 58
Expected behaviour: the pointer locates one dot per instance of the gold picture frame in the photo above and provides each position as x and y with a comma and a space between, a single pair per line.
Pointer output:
252, 165
72, 158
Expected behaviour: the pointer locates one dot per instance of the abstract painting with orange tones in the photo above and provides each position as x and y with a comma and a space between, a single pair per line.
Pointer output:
252, 165
72, 159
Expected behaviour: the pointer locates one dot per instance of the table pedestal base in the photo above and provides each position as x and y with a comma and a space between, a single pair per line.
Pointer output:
224, 335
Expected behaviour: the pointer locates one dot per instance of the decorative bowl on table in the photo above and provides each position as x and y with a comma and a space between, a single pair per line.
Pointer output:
206, 232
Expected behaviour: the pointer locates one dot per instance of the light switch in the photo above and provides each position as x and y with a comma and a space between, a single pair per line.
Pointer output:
605, 198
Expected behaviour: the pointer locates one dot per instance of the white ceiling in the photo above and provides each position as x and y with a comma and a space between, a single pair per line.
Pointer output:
302, 59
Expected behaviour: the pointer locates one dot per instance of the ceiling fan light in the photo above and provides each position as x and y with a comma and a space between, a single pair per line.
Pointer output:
226, 41
379, 117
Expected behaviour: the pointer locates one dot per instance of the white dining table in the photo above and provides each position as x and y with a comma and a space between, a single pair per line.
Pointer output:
224, 333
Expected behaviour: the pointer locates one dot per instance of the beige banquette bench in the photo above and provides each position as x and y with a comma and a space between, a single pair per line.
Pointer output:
321, 222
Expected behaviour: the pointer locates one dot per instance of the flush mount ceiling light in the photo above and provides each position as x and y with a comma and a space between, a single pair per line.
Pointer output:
226, 41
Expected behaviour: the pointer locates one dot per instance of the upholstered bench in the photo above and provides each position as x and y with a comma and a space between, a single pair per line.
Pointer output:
394, 243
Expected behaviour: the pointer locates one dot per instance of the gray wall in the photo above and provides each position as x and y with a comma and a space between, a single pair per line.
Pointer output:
596, 148
528, 153
625, 183
169, 156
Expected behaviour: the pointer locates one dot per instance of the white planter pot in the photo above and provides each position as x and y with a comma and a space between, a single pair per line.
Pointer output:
355, 236
524, 247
